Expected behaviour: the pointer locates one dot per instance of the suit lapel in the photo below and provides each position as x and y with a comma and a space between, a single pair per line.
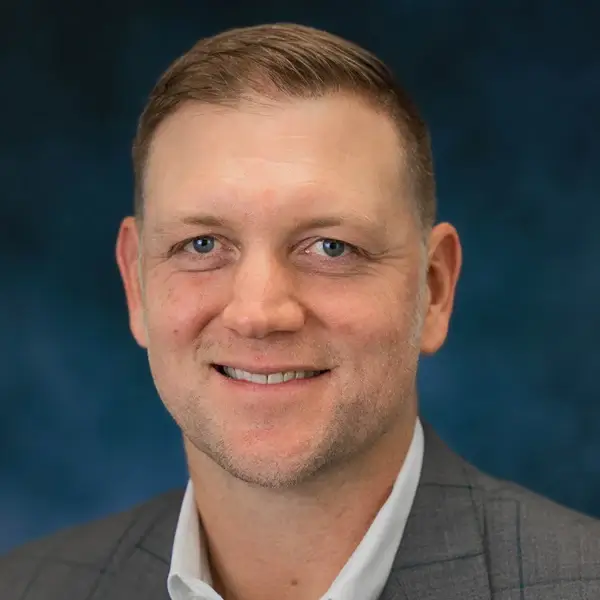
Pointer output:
442, 555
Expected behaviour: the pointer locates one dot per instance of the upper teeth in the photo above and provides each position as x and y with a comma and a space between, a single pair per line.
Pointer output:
267, 378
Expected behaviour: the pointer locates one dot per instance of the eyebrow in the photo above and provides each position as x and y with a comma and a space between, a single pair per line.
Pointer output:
202, 220
205, 220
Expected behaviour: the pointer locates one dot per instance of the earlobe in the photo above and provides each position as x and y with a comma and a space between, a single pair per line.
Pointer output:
127, 253
445, 260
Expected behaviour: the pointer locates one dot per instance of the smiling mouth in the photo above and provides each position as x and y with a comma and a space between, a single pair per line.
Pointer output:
266, 378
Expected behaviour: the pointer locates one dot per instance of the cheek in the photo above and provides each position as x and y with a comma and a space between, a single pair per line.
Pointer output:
374, 334
179, 307
369, 315
375, 338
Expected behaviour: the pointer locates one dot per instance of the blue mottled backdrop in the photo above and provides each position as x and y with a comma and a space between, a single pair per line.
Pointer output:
512, 92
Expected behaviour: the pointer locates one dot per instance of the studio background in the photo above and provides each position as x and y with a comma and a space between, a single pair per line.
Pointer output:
511, 91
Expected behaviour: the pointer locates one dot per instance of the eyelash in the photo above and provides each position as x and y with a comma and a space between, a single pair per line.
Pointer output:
352, 250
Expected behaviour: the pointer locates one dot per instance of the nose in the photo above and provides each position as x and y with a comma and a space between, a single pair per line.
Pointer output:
262, 300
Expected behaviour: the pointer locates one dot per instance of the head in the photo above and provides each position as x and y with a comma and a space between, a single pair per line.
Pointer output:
284, 223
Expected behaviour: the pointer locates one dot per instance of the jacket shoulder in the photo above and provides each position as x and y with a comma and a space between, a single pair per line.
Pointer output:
534, 544
71, 563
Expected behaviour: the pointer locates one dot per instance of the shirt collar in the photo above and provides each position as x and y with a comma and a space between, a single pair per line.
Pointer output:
362, 578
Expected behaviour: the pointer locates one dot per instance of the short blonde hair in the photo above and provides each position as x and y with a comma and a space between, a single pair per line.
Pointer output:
291, 61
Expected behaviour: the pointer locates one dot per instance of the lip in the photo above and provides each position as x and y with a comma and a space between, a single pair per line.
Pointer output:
267, 370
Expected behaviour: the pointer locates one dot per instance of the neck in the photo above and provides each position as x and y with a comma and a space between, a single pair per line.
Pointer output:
291, 544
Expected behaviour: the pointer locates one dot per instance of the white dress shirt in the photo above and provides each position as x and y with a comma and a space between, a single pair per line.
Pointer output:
362, 577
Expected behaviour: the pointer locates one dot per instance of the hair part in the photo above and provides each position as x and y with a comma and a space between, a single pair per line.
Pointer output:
286, 61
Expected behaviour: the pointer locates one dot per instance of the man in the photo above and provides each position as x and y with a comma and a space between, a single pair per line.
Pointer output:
284, 273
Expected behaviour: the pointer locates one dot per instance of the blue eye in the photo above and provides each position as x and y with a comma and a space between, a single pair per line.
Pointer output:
204, 244
333, 248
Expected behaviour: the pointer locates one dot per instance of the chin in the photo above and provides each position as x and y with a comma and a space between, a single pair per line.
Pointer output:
273, 478
271, 466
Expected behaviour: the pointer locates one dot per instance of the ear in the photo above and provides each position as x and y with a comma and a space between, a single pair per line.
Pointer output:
444, 263
127, 254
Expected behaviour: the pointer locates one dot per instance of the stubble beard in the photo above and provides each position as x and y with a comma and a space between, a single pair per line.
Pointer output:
360, 421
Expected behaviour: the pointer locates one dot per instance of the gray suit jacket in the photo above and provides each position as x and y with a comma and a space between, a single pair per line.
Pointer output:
468, 537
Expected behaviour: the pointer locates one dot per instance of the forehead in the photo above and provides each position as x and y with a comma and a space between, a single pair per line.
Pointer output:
334, 149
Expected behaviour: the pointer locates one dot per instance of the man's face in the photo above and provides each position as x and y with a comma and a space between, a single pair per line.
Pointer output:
279, 239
